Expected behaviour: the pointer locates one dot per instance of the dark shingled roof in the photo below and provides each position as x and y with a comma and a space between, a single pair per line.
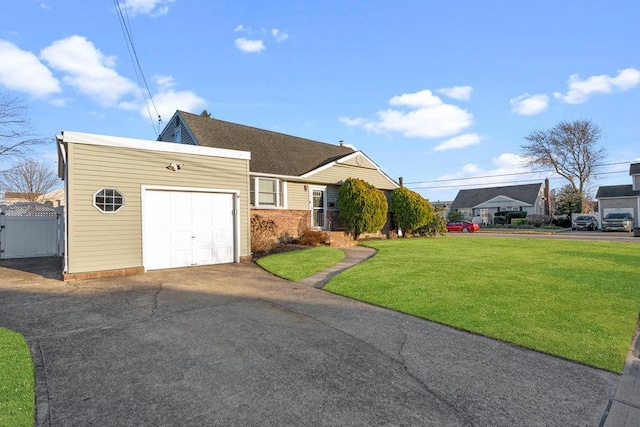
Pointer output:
271, 152
616, 191
466, 199
634, 169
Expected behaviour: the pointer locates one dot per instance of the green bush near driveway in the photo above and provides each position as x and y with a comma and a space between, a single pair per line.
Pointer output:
575, 299
297, 265
16, 381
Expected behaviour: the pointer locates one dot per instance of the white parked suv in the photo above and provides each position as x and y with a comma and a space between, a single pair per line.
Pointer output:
620, 221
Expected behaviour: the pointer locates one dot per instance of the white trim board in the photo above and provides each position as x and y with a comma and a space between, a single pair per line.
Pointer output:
148, 145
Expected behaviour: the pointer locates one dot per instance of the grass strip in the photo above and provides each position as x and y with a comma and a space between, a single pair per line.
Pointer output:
16, 381
298, 265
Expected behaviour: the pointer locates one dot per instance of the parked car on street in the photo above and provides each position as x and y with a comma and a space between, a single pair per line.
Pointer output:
463, 226
618, 221
584, 222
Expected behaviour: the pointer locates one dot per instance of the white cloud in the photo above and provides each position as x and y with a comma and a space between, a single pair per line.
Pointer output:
459, 142
580, 90
279, 35
352, 122
250, 46
88, 69
240, 27
462, 93
500, 173
164, 82
166, 100
529, 105
427, 117
421, 99
23, 71
169, 101
152, 8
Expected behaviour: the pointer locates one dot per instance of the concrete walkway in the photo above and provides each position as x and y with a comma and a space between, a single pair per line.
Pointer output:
624, 406
353, 255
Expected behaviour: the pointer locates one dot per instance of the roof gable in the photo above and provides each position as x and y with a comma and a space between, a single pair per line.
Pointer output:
500, 201
608, 191
467, 199
271, 152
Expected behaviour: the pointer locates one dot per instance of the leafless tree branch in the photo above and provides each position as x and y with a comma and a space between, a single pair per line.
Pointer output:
571, 148
30, 179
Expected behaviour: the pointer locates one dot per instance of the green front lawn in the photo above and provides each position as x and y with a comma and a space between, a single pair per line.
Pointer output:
16, 381
575, 299
297, 265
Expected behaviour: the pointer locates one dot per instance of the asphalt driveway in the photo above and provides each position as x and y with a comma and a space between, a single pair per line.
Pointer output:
233, 345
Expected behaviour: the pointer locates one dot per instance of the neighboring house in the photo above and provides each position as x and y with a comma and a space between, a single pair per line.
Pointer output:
480, 204
293, 181
54, 198
136, 205
622, 198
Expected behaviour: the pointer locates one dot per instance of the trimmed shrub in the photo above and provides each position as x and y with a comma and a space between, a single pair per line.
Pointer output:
455, 216
410, 210
563, 221
536, 220
311, 237
518, 221
264, 235
363, 208
436, 227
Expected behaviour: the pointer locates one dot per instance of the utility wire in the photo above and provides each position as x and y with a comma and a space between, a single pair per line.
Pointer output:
125, 25
506, 174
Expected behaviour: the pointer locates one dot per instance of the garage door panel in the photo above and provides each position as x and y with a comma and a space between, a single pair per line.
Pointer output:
188, 228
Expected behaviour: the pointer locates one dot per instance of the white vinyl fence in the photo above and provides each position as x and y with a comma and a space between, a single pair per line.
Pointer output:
30, 230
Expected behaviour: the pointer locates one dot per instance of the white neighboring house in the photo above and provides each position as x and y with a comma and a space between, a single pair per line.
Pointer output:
480, 204
622, 198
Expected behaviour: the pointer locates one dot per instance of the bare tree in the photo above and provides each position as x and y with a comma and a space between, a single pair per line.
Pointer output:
30, 179
570, 148
16, 137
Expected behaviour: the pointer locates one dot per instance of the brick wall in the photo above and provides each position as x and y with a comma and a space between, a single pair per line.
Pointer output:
288, 222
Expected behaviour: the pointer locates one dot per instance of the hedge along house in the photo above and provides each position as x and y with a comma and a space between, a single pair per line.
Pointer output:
136, 205
293, 181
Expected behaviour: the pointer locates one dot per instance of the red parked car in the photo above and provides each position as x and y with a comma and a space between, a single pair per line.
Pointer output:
463, 226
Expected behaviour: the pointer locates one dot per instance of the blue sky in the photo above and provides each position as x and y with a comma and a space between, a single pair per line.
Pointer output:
432, 91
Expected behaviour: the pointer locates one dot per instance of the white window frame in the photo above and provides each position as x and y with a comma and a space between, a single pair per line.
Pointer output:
281, 193
95, 205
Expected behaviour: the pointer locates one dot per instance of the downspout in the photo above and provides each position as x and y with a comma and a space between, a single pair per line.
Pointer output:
65, 173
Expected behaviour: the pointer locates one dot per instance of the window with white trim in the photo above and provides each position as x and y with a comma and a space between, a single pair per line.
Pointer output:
267, 193
108, 200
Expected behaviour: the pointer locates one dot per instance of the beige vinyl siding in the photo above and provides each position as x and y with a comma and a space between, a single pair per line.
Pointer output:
354, 162
340, 172
106, 241
297, 196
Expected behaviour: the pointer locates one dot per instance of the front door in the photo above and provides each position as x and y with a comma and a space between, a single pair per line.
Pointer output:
318, 208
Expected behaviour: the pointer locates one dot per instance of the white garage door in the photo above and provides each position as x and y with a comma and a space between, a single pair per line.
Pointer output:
187, 228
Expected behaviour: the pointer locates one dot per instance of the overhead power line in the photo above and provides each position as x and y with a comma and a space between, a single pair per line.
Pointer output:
434, 181
125, 25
